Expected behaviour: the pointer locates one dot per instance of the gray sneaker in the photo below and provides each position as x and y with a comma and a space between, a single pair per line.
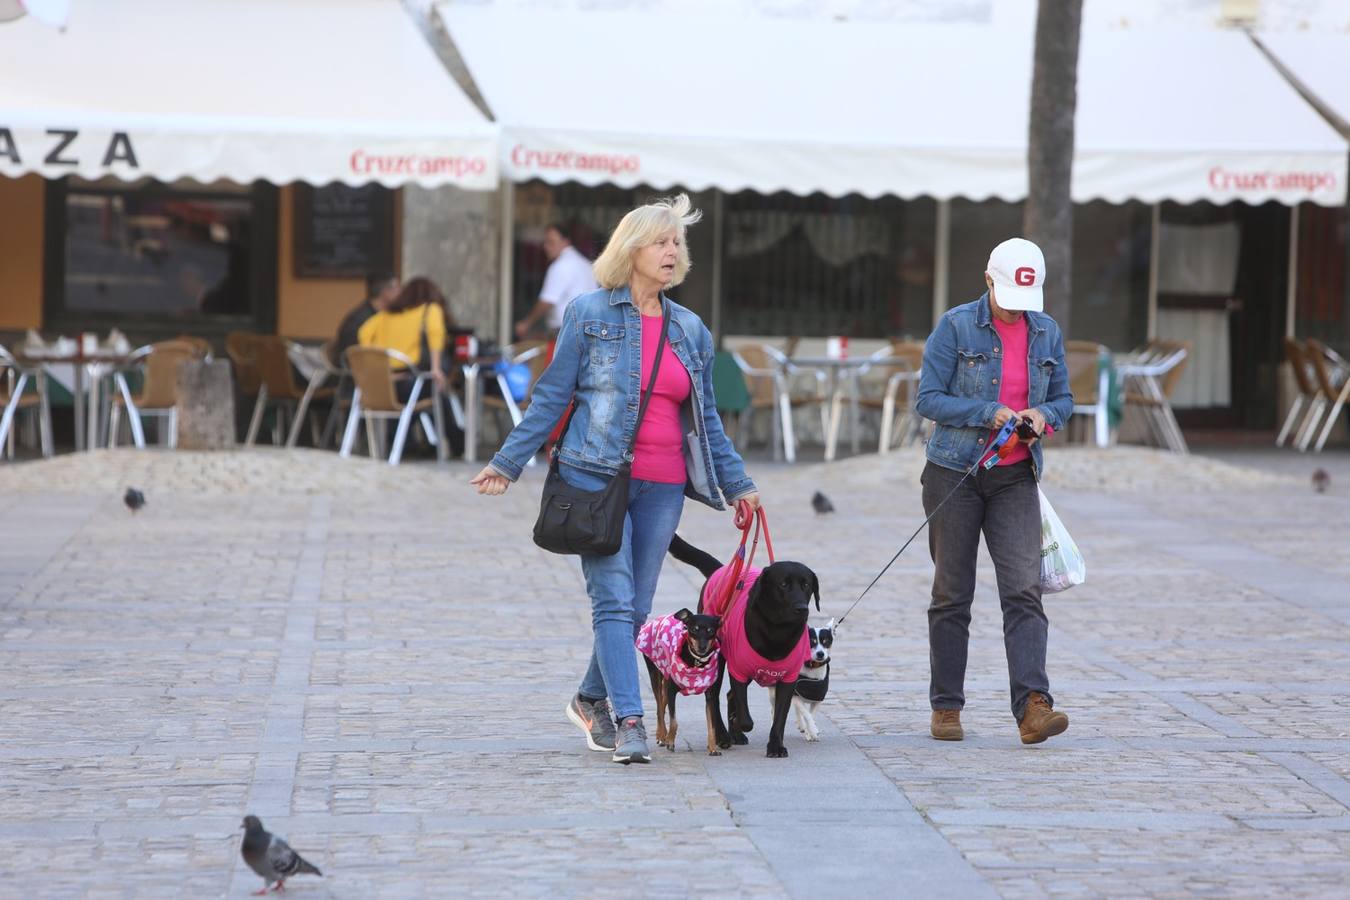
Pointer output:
595, 721
632, 742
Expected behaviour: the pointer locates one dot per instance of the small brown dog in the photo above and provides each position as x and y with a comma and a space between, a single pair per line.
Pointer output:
681, 655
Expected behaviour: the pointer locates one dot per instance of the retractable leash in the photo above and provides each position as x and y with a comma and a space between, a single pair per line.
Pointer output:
1003, 444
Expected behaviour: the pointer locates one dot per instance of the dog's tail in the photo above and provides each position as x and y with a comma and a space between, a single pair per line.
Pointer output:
690, 555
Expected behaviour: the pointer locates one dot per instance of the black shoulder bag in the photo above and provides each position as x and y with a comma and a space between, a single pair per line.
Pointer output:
573, 521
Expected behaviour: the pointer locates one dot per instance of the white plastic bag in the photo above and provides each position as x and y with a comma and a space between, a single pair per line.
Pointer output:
1062, 566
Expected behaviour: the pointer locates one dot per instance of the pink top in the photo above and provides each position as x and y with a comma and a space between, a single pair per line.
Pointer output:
1013, 386
661, 641
743, 662
658, 453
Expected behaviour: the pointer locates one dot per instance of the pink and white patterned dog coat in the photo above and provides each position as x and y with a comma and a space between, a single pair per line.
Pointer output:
661, 641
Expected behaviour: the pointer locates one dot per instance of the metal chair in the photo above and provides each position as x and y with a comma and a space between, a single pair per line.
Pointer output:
327, 366
159, 390
1305, 383
768, 376
12, 397
1151, 381
1089, 381
533, 353
375, 397
1328, 375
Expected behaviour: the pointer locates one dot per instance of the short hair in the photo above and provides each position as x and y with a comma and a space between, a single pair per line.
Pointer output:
639, 228
377, 281
563, 231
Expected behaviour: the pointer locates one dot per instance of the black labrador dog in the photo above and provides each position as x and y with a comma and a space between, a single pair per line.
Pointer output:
774, 626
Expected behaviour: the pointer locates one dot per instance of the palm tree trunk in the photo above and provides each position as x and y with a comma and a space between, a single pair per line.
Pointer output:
1048, 218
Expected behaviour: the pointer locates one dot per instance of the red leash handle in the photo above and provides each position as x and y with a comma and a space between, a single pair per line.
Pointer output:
747, 521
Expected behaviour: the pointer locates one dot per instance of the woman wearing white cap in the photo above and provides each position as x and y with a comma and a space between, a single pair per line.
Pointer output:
996, 358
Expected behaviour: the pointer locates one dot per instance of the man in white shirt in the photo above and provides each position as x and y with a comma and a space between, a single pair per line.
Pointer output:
569, 276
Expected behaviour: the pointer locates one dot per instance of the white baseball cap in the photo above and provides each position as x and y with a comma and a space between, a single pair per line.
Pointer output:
1017, 268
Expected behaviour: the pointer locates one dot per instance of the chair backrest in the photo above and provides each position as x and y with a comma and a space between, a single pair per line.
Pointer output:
1174, 355
374, 377
755, 361
533, 354
1319, 361
201, 346
272, 357
910, 351
1081, 359
160, 388
239, 346
1299, 362
329, 349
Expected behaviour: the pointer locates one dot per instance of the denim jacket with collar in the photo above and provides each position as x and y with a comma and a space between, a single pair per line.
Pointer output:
598, 359
958, 388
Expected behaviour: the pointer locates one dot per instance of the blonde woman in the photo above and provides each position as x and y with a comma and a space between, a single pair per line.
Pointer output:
604, 358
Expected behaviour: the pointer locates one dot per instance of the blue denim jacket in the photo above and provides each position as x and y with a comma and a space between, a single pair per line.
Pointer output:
598, 359
958, 388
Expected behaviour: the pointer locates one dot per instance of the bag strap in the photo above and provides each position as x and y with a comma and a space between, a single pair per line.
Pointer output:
642, 406
651, 382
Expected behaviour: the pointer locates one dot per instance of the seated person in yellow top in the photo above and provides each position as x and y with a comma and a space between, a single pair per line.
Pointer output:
419, 308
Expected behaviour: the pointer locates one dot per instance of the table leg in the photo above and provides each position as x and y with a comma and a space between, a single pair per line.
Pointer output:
836, 410
473, 407
853, 415
77, 403
92, 403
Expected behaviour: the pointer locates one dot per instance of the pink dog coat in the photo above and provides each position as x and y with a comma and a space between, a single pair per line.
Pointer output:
661, 641
743, 662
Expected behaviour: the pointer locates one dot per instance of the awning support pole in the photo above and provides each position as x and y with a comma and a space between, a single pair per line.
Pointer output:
1155, 246
1291, 288
717, 224
942, 251
506, 191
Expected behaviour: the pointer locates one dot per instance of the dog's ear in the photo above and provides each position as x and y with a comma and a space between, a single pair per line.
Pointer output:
683, 615
815, 590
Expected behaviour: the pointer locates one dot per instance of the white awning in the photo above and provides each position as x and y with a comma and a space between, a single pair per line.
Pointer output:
872, 108
1321, 62
279, 90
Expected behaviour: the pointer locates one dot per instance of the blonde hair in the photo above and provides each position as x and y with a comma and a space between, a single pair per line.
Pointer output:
638, 229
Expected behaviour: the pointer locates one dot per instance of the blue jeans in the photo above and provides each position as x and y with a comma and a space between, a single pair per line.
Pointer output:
621, 586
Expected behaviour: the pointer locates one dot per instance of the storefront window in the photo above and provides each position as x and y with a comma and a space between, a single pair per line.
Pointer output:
815, 266
1110, 274
153, 252
977, 228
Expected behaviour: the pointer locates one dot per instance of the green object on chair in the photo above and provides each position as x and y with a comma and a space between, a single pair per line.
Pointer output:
729, 384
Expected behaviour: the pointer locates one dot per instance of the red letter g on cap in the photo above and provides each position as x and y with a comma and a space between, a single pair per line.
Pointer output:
1025, 276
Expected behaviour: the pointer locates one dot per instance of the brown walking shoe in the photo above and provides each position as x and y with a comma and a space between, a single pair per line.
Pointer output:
1039, 721
946, 725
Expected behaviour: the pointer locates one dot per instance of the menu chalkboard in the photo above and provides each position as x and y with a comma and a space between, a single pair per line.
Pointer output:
343, 232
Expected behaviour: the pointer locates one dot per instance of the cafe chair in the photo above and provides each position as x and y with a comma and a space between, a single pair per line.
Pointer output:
14, 378
375, 398
158, 396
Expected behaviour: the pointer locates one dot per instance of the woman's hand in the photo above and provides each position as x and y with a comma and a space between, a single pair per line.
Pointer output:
1037, 421
1002, 416
490, 482
751, 502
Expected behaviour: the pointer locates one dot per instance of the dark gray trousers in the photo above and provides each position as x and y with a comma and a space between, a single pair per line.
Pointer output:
1003, 503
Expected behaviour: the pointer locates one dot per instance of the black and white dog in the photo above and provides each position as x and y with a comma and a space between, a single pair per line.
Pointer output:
814, 681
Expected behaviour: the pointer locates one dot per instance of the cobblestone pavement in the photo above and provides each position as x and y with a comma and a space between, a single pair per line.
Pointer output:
375, 661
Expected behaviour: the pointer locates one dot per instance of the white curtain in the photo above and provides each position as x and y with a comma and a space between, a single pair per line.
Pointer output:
1206, 380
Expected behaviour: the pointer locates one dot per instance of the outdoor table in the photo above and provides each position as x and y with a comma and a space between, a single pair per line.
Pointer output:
845, 371
83, 407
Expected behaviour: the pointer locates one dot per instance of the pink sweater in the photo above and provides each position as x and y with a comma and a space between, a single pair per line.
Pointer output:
658, 453
743, 662
661, 641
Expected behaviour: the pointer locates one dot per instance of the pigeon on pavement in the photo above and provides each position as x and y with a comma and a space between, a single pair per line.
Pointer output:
821, 504
271, 857
1321, 481
134, 499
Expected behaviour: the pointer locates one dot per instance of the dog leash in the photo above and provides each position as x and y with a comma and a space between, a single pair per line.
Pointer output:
747, 522
1002, 445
